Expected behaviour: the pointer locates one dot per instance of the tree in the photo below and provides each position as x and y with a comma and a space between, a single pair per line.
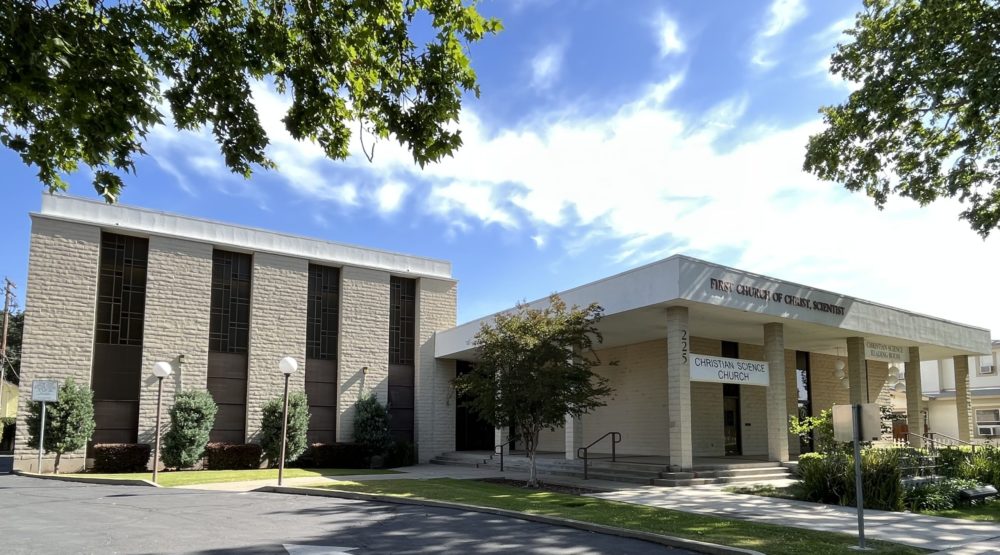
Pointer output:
83, 82
925, 123
298, 427
191, 421
535, 367
15, 329
69, 422
371, 425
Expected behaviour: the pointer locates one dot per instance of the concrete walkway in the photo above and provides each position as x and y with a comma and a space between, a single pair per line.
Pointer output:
954, 536
935, 533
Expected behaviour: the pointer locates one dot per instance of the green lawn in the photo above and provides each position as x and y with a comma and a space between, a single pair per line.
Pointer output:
751, 535
193, 477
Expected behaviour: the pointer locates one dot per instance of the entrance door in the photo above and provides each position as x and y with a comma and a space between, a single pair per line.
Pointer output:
471, 432
731, 419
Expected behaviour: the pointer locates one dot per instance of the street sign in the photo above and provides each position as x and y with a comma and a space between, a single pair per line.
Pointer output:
843, 422
45, 390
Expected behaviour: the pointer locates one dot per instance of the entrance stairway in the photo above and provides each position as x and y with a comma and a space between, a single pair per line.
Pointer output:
628, 472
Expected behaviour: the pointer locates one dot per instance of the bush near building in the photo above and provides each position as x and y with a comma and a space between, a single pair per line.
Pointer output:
334, 455
982, 465
121, 457
69, 422
830, 478
940, 495
191, 421
298, 427
232, 456
371, 425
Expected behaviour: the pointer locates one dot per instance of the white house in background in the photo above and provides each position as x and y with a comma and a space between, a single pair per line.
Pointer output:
939, 392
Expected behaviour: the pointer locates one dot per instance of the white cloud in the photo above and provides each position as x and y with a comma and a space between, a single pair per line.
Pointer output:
781, 16
389, 196
668, 35
546, 65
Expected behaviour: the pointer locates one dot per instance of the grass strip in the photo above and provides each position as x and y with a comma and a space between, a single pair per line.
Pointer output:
767, 538
178, 478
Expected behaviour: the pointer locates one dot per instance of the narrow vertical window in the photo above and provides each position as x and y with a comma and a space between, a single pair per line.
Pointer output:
118, 329
322, 329
229, 343
402, 339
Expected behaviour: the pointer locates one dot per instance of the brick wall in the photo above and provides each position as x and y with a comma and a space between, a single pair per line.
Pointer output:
364, 342
434, 395
280, 288
60, 298
178, 303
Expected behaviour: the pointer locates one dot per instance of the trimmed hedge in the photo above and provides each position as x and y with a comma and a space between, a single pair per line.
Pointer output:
121, 457
334, 455
233, 456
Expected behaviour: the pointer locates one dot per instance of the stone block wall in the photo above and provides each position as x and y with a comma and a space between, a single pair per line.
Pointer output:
364, 342
707, 431
753, 408
60, 300
178, 305
280, 288
434, 395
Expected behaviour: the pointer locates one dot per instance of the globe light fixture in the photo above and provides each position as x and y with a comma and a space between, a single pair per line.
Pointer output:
839, 373
900, 387
288, 366
840, 365
845, 383
160, 370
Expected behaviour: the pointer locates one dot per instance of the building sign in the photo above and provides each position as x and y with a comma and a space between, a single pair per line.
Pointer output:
706, 368
774, 296
45, 390
887, 353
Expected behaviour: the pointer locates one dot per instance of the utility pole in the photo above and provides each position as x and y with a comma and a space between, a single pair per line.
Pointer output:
8, 297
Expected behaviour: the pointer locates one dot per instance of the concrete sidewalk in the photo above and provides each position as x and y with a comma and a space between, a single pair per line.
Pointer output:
935, 533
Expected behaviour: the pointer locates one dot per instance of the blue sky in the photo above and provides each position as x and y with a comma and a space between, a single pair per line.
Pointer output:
604, 138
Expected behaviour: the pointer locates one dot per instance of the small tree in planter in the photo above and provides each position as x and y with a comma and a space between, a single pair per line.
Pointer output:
298, 427
371, 425
191, 421
69, 422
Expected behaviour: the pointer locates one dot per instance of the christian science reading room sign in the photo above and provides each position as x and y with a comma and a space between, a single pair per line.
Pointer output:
706, 368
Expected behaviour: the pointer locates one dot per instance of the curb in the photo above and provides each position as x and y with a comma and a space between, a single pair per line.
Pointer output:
670, 541
86, 480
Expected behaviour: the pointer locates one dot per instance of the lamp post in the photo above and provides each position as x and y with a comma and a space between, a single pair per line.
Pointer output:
160, 370
287, 366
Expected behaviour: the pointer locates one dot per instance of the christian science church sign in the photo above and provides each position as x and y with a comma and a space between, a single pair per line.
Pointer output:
706, 368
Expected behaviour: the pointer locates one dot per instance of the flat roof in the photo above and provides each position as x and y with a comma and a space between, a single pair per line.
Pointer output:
727, 303
154, 222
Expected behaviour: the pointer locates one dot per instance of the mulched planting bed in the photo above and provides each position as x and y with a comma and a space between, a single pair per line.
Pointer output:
554, 488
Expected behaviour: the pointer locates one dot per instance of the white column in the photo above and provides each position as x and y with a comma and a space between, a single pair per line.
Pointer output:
963, 401
914, 393
499, 437
777, 408
574, 436
857, 373
679, 388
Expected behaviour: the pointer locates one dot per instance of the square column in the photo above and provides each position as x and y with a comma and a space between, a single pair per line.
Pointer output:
574, 436
963, 401
777, 409
857, 372
679, 388
500, 436
914, 400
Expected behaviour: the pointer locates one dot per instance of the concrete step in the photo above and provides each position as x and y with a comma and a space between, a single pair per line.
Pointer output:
736, 472
735, 466
671, 483
641, 467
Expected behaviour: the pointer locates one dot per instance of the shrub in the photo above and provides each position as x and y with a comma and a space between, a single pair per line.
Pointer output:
298, 426
830, 478
820, 428
983, 465
401, 453
233, 456
121, 457
335, 455
950, 461
69, 422
371, 425
191, 420
940, 495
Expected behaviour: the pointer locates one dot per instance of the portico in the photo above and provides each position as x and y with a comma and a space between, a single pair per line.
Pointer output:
712, 361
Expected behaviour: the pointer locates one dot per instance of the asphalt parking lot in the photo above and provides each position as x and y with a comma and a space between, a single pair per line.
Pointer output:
48, 516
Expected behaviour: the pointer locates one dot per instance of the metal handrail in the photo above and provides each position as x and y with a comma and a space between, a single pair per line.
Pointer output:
948, 440
616, 438
498, 450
